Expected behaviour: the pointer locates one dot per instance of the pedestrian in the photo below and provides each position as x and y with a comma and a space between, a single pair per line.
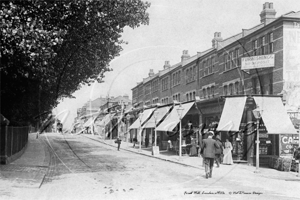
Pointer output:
118, 141
146, 142
219, 151
227, 153
134, 141
209, 146
297, 154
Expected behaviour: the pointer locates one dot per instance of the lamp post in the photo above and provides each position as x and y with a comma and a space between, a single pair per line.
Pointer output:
179, 111
155, 149
257, 115
140, 118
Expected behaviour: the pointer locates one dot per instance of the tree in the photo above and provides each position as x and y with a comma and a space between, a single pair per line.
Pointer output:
50, 48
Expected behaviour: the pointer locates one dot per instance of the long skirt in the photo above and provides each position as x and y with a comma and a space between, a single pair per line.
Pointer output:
227, 157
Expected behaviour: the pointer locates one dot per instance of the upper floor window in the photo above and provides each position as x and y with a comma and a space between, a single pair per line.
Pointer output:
165, 84
255, 46
225, 92
230, 89
176, 78
237, 88
271, 45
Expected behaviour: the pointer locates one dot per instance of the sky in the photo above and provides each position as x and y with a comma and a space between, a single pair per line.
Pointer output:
175, 25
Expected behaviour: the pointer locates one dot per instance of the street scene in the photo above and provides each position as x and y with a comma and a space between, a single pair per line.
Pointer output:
86, 167
135, 99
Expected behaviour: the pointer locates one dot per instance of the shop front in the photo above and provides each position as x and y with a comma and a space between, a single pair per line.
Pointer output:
239, 125
185, 115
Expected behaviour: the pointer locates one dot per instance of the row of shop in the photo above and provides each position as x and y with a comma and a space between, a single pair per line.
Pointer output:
230, 117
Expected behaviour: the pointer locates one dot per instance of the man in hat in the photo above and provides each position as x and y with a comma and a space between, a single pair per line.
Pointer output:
209, 146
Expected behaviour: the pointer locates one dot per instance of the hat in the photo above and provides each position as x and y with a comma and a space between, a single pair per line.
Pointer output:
211, 133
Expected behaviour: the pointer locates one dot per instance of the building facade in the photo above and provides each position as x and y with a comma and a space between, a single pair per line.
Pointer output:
262, 60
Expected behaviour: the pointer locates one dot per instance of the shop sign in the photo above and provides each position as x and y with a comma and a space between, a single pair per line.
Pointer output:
287, 144
261, 61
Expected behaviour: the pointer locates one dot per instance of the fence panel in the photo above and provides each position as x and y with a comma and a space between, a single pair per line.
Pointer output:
12, 141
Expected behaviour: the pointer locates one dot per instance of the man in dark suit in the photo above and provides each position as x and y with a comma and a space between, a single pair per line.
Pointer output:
209, 146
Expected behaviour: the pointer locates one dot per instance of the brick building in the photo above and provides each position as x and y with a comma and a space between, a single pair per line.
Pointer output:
271, 66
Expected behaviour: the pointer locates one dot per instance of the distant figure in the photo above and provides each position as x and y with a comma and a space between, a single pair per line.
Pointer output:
227, 153
297, 154
209, 146
146, 142
134, 141
219, 151
118, 141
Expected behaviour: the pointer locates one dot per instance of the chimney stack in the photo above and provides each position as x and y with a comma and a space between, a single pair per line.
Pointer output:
151, 73
167, 64
216, 40
268, 13
185, 55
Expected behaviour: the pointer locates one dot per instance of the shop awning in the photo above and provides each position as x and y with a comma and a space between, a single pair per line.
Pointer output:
106, 119
160, 113
171, 121
274, 115
145, 116
89, 122
232, 114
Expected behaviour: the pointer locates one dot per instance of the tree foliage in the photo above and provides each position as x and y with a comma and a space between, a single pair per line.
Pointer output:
50, 48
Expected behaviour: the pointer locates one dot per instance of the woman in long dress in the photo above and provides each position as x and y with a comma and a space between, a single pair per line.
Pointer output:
227, 153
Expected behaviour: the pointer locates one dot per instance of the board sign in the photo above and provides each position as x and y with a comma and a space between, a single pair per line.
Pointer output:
287, 144
261, 61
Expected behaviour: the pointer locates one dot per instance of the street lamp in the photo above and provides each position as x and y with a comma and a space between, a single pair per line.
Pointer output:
140, 118
179, 111
257, 115
155, 149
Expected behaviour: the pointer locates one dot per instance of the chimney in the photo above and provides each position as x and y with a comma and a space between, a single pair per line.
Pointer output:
185, 55
268, 13
216, 40
151, 73
167, 64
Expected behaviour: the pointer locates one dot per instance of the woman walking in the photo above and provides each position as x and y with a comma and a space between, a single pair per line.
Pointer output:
227, 153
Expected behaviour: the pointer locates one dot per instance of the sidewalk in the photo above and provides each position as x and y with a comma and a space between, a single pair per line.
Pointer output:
30, 169
196, 162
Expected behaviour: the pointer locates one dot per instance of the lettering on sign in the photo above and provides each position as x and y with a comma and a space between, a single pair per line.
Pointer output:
287, 144
261, 61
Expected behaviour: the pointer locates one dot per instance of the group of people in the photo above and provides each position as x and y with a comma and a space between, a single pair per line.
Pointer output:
212, 150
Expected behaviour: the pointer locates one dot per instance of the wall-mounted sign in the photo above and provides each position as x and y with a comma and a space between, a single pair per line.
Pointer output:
261, 61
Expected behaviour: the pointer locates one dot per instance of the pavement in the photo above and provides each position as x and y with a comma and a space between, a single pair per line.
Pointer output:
31, 168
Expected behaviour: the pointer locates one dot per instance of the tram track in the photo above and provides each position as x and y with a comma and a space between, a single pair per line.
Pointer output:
56, 161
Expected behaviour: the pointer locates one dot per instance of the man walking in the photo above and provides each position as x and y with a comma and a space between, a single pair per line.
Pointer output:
118, 141
209, 146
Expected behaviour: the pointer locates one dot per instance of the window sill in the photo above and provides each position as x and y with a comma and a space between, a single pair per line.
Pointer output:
208, 75
228, 70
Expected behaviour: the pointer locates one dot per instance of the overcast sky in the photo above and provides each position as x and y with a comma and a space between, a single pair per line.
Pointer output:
175, 25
